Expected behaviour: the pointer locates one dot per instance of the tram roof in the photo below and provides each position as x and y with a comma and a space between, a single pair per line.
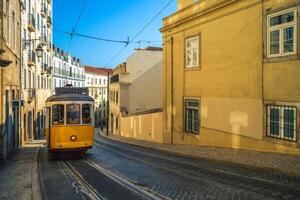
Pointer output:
70, 97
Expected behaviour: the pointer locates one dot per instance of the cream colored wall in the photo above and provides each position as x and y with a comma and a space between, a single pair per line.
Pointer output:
143, 127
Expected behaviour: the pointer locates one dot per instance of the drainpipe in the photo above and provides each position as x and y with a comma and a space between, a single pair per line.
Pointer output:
172, 89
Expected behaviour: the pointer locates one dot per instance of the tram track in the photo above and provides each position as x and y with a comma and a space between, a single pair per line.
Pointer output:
92, 191
87, 188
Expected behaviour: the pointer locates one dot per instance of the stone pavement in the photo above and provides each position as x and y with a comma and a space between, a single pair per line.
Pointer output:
287, 164
17, 175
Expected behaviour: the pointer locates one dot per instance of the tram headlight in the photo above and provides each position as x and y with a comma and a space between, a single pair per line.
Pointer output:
73, 138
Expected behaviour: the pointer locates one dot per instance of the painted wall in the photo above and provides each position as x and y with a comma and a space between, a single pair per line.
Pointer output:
144, 69
143, 127
234, 79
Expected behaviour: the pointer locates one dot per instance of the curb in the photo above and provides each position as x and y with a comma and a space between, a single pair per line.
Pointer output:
248, 166
35, 178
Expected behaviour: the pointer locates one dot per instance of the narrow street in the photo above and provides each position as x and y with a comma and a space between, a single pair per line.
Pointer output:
114, 170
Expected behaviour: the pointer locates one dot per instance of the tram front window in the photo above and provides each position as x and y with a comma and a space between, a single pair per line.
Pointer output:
86, 114
73, 114
58, 114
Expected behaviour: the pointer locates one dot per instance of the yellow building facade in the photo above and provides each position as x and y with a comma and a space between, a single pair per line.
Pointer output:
230, 74
10, 47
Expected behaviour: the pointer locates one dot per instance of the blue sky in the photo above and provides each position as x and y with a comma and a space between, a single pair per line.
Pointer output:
112, 19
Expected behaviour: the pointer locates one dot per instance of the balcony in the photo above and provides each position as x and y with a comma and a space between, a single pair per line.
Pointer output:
49, 21
49, 46
114, 78
48, 1
43, 39
49, 71
44, 68
31, 23
31, 94
31, 58
44, 10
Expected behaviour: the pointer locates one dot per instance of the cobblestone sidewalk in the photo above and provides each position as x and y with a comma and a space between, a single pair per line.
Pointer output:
288, 164
16, 175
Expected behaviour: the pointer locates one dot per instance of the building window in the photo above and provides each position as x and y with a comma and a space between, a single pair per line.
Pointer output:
86, 114
192, 52
73, 114
282, 34
281, 122
58, 114
192, 116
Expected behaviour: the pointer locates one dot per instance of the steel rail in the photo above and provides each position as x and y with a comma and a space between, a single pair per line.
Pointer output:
92, 193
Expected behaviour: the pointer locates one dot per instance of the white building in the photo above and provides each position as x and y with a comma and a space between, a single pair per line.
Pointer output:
36, 72
136, 86
67, 69
96, 79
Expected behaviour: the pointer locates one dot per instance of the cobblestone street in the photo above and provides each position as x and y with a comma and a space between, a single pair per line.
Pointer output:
116, 170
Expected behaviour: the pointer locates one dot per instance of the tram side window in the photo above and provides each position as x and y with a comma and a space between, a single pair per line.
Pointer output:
86, 114
73, 114
58, 114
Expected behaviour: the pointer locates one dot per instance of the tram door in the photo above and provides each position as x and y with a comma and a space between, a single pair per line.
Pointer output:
47, 126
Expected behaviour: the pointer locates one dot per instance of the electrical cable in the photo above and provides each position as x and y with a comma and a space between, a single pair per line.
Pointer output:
76, 25
134, 37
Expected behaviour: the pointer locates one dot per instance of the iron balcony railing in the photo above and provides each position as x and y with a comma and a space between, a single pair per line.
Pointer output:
49, 70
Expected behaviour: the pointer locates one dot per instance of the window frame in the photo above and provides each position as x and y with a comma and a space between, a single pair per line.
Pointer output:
64, 114
186, 107
282, 109
91, 116
187, 39
281, 28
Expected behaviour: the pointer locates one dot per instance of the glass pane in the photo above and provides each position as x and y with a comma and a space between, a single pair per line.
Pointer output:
86, 114
274, 42
193, 42
73, 114
289, 123
288, 34
58, 114
289, 131
194, 104
196, 121
274, 121
195, 57
280, 19
189, 57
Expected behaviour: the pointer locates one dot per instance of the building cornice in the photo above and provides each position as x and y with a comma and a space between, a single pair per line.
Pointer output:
190, 9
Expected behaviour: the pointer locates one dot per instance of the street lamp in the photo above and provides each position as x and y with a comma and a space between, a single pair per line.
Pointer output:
39, 51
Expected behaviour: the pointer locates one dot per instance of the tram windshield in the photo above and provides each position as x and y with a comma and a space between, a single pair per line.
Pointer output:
73, 114
58, 114
86, 114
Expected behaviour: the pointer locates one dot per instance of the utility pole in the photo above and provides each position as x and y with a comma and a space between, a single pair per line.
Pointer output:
107, 104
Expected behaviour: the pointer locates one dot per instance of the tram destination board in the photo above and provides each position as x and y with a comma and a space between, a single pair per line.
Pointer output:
71, 90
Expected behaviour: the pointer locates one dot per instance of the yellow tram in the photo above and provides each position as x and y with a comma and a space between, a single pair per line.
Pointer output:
70, 120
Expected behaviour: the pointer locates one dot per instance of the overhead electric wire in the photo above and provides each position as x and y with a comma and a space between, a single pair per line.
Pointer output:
76, 25
91, 37
134, 37
106, 39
